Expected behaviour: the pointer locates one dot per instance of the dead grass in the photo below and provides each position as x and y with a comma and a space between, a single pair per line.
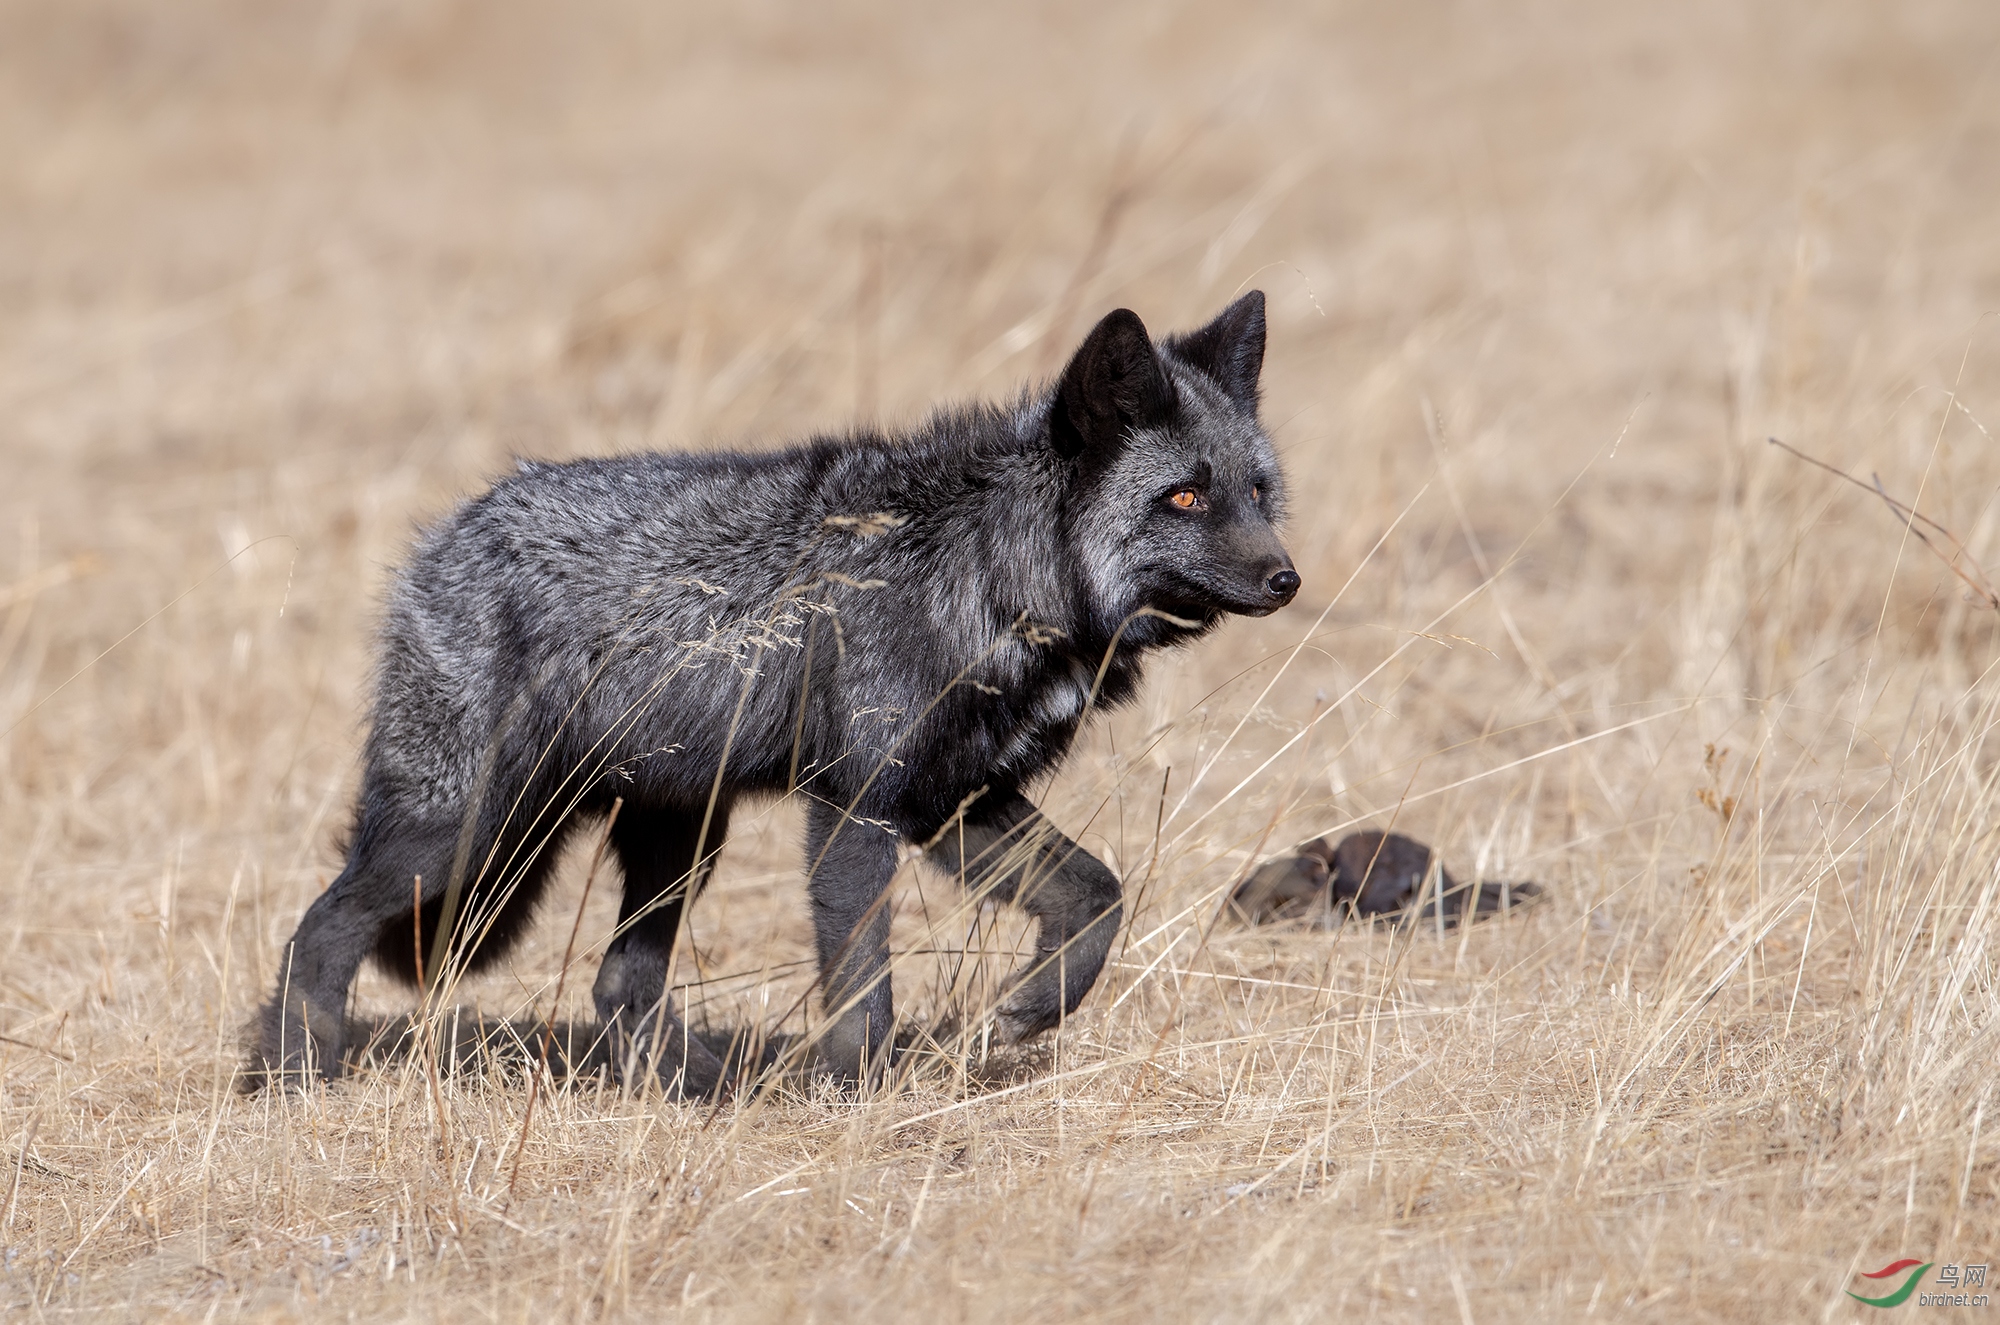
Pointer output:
281, 280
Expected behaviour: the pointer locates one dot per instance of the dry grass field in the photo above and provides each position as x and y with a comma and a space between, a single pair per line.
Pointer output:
280, 281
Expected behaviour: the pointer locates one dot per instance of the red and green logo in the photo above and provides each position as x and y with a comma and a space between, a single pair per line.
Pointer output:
1901, 1295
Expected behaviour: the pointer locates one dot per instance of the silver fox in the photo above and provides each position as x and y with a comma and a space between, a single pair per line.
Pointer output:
906, 631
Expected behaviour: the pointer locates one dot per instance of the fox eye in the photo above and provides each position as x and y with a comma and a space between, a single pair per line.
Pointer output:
1256, 492
1189, 499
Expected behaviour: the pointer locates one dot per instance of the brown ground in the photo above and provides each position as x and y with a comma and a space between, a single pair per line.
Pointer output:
279, 280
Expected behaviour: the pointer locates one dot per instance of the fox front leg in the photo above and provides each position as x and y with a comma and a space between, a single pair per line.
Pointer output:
852, 862
1010, 852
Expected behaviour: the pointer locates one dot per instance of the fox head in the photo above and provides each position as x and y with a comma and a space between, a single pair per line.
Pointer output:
1177, 491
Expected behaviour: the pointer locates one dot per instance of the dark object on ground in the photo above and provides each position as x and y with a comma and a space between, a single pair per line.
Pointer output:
1284, 888
904, 631
1368, 874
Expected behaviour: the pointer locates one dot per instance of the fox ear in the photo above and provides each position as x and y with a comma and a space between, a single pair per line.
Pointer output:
1114, 382
1230, 349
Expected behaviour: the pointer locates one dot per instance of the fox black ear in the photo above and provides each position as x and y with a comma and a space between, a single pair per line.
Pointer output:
1230, 349
1115, 381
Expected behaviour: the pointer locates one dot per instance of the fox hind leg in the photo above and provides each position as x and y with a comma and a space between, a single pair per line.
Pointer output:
665, 857
373, 909
300, 1032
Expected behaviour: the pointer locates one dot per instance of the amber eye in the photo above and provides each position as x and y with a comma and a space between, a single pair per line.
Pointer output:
1256, 493
1187, 499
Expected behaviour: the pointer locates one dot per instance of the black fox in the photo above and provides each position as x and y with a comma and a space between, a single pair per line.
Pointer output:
905, 631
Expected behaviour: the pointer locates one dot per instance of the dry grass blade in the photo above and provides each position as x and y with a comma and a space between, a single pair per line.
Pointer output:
1977, 581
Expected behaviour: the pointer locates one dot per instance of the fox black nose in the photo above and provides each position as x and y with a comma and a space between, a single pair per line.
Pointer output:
1283, 584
